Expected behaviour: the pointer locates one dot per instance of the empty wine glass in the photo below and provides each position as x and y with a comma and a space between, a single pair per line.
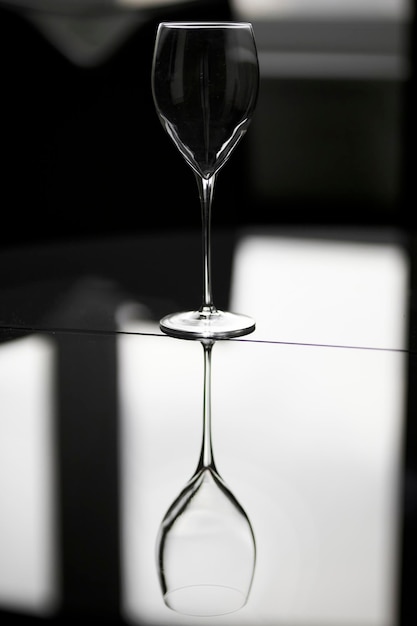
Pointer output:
205, 547
205, 80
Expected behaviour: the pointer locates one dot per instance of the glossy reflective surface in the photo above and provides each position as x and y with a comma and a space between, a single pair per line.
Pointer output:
101, 421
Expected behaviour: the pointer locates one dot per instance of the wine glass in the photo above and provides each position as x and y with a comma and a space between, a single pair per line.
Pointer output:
205, 547
205, 80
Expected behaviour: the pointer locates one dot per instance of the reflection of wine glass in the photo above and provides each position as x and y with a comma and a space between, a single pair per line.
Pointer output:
205, 79
205, 547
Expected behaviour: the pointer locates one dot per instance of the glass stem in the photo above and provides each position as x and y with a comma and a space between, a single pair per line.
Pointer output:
206, 188
206, 456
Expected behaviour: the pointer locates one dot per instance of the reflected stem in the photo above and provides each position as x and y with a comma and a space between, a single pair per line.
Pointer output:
206, 455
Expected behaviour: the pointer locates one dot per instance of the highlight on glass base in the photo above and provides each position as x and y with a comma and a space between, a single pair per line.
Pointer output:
207, 325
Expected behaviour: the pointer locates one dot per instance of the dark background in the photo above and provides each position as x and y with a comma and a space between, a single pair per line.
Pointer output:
82, 151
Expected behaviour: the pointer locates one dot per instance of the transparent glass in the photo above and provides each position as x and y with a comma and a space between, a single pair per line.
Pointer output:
205, 547
205, 81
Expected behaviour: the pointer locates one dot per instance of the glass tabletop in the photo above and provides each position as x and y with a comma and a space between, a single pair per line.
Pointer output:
101, 418
328, 287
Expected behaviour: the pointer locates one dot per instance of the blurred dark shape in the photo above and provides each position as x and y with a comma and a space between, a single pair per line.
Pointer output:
406, 585
409, 127
326, 143
83, 153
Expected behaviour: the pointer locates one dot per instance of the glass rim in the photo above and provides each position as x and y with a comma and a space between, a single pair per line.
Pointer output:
207, 24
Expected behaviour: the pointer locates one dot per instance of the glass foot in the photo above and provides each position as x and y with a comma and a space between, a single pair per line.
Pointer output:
199, 325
